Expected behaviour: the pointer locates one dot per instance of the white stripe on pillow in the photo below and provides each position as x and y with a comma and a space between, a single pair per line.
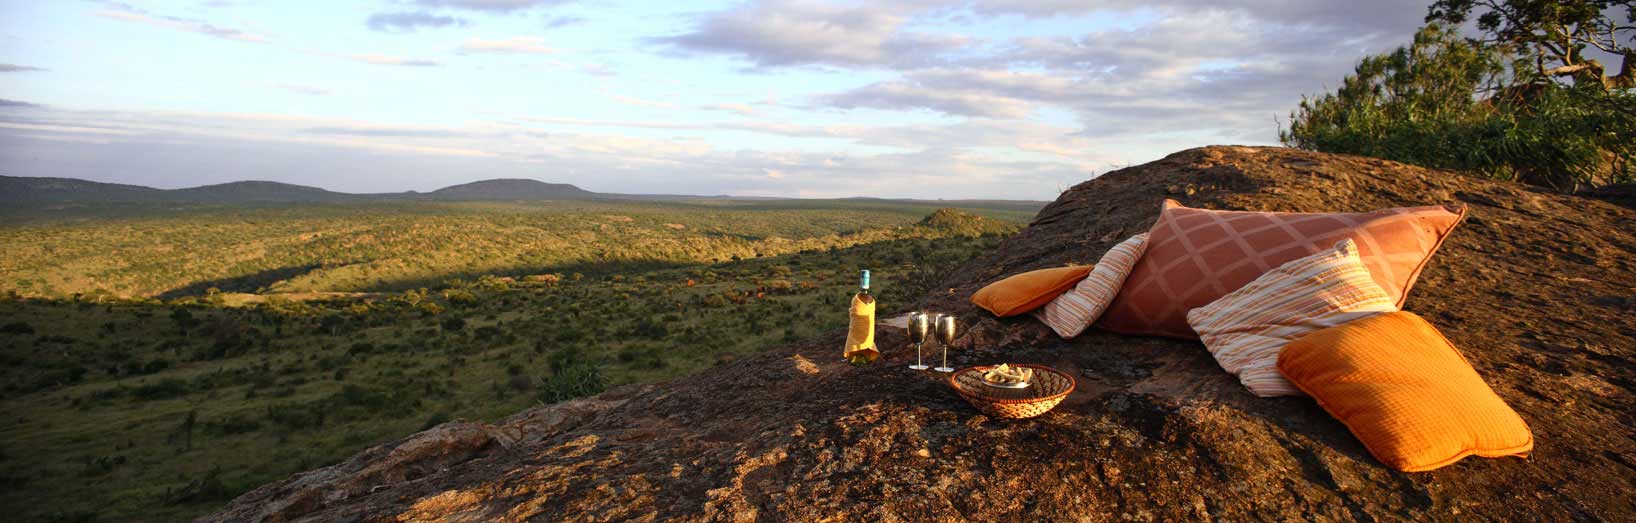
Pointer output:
1246, 329
1073, 311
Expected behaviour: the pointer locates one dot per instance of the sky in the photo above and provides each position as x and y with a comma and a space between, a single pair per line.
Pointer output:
914, 98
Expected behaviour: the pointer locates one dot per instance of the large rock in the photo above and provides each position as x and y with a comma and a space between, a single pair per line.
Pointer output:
1535, 288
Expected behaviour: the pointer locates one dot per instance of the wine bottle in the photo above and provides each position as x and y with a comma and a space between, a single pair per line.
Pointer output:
860, 337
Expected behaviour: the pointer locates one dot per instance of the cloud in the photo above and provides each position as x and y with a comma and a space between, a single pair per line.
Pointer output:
497, 6
303, 89
14, 68
406, 21
640, 102
514, 45
742, 109
384, 131
1217, 71
182, 24
1388, 15
906, 95
772, 33
553, 22
1029, 99
381, 59
171, 148
974, 92
15, 103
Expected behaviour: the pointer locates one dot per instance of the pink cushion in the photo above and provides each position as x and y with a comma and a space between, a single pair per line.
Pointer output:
1196, 256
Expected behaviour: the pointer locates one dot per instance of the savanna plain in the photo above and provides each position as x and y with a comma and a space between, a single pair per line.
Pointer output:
159, 360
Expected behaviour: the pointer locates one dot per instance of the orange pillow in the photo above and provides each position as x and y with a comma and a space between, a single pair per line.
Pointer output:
1404, 390
1196, 256
1028, 291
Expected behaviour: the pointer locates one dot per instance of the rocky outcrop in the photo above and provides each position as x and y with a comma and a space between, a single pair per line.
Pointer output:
1537, 289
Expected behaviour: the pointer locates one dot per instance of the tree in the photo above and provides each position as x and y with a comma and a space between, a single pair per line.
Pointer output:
184, 319
1557, 32
1465, 104
453, 324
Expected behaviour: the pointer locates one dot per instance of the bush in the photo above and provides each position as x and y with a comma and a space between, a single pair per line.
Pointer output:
454, 324
437, 418
17, 327
571, 377
574, 381
164, 389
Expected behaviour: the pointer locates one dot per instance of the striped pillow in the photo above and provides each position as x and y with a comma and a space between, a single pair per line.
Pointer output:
1246, 329
1070, 313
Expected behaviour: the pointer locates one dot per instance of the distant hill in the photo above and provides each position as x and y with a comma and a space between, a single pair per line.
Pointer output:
258, 191
964, 223
56, 191
18, 190
28, 192
512, 189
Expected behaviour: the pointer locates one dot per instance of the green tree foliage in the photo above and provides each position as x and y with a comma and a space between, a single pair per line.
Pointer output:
1557, 32
1463, 104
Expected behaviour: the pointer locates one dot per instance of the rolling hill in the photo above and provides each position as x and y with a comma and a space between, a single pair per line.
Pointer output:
37, 192
512, 189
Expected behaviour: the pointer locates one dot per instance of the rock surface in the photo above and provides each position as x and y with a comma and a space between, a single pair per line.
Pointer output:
1537, 289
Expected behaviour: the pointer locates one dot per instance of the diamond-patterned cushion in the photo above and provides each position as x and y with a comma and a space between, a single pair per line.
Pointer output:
1195, 256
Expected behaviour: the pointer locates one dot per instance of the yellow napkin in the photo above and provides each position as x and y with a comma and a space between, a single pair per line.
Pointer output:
860, 337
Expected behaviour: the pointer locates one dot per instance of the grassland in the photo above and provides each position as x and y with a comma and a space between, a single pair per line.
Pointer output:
157, 364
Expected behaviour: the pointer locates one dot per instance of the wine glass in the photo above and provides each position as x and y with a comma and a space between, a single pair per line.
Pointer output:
944, 330
920, 325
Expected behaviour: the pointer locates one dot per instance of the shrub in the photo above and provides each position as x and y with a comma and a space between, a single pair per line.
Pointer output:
778, 285
460, 297
454, 324
437, 418
17, 327
163, 389
573, 381
572, 376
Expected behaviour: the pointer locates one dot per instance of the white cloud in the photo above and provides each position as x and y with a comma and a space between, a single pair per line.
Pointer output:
738, 108
377, 155
182, 24
905, 95
500, 6
406, 21
303, 89
800, 32
381, 59
640, 102
514, 45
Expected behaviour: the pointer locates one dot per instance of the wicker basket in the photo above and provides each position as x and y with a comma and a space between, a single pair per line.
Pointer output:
1048, 387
